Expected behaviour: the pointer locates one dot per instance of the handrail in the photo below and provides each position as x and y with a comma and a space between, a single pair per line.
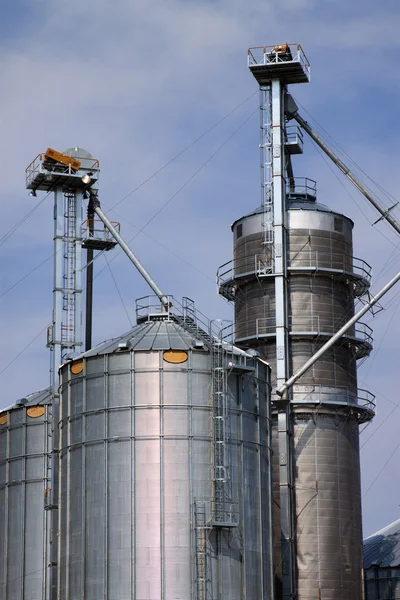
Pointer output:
218, 331
264, 55
305, 259
311, 325
36, 166
338, 395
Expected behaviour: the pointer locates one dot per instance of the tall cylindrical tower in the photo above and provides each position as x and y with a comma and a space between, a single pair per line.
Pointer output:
165, 473
293, 281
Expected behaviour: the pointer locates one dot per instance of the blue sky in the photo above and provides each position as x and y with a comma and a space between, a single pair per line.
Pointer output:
135, 83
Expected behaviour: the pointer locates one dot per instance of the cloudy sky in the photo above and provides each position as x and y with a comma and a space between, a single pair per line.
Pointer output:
135, 82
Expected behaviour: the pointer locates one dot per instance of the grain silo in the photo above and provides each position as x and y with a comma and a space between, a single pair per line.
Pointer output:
382, 563
293, 281
25, 462
165, 471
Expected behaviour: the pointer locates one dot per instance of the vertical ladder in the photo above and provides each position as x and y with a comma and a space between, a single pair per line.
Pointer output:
68, 326
223, 515
266, 155
201, 528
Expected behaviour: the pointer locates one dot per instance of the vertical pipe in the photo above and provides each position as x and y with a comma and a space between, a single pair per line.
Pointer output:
78, 270
133, 475
279, 212
89, 285
106, 468
282, 343
24, 434
58, 287
162, 490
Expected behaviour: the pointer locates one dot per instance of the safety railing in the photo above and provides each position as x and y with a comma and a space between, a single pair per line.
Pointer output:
216, 331
307, 259
40, 165
94, 228
294, 137
225, 514
333, 395
303, 186
311, 325
265, 55
304, 259
258, 264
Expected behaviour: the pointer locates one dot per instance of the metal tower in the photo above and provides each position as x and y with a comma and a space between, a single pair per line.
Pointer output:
67, 175
293, 281
274, 68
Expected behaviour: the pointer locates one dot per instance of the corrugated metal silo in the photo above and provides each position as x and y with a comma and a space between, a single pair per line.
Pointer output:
143, 453
382, 563
25, 455
327, 407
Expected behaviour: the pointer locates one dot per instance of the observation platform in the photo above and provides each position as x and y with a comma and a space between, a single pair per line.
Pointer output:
261, 266
286, 62
96, 236
52, 169
310, 327
361, 402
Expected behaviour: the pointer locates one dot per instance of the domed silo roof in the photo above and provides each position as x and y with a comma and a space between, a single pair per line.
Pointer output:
383, 547
41, 397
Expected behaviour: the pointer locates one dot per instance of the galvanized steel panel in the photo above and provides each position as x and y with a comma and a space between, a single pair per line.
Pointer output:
24, 481
136, 458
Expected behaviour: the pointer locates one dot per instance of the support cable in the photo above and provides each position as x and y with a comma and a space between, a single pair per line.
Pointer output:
23, 349
118, 291
15, 227
184, 150
388, 195
178, 191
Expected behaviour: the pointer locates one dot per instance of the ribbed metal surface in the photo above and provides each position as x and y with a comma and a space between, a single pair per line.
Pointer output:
25, 451
382, 564
328, 504
136, 463
322, 283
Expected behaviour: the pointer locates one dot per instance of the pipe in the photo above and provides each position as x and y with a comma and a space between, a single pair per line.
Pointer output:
89, 285
163, 299
384, 212
282, 391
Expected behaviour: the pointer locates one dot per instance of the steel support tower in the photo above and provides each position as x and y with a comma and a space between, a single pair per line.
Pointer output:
274, 68
293, 281
68, 176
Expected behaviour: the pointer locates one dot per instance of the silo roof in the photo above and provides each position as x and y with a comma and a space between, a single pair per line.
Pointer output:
298, 204
158, 334
151, 335
383, 547
41, 397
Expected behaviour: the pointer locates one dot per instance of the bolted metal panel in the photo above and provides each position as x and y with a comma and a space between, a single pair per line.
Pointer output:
323, 280
136, 462
25, 454
328, 504
382, 563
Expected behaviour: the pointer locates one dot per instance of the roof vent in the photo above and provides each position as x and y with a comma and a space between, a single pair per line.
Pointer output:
124, 346
198, 344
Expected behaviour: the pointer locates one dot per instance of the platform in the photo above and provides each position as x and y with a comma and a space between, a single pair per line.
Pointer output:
286, 62
46, 173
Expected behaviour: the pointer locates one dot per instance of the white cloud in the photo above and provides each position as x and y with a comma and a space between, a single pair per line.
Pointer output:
134, 83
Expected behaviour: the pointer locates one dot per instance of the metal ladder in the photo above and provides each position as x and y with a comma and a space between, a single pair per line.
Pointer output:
219, 396
266, 151
202, 579
68, 327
